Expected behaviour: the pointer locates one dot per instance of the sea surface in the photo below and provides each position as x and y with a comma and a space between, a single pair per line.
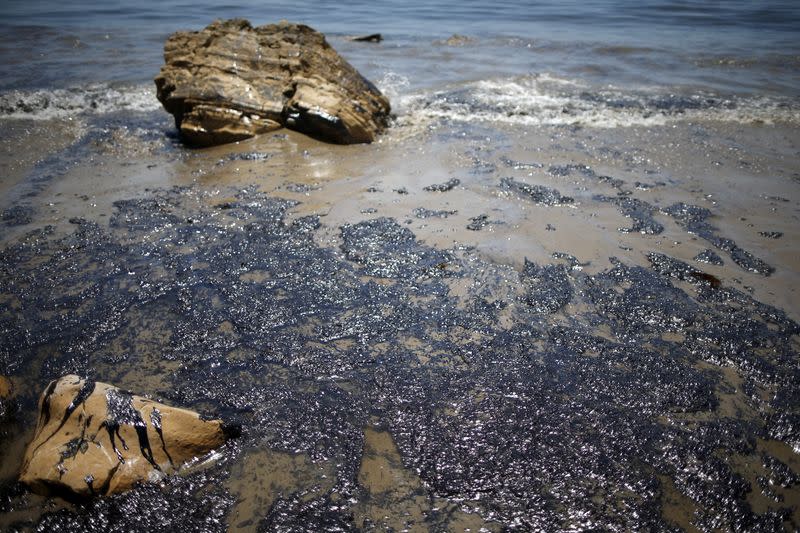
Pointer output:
619, 62
559, 293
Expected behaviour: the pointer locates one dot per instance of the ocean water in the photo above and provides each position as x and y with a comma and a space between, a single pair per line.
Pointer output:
559, 293
635, 63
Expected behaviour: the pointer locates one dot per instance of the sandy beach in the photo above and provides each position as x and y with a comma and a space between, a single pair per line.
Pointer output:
533, 304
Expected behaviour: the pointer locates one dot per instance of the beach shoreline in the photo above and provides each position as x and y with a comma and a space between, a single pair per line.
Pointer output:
548, 297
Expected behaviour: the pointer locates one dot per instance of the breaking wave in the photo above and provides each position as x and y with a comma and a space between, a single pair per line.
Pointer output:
541, 99
530, 100
98, 98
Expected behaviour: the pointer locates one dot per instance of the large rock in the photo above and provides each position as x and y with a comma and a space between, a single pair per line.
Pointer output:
232, 81
95, 439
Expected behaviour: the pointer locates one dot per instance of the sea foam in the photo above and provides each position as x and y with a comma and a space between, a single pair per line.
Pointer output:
544, 100
96, 98
529, 100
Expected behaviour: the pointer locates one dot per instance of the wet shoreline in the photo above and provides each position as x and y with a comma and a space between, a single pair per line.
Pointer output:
743, 175
534, 346
558, 294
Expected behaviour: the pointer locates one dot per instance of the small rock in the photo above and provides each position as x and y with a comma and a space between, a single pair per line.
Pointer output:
371, 38
95, 439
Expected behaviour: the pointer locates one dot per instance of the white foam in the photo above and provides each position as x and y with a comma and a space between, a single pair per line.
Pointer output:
542, 99
96, 98
392, 85
531, 100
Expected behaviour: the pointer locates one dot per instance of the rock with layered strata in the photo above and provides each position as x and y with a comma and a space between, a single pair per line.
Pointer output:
95, 439
231, 81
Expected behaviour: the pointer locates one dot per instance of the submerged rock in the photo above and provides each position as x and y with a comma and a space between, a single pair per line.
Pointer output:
95, 439
231, 81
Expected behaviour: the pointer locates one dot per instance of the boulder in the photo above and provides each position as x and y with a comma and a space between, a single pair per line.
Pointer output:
231, 81
95, 439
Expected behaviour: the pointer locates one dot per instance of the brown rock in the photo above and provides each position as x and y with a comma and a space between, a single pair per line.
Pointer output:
94, 439
232, 81
6, 388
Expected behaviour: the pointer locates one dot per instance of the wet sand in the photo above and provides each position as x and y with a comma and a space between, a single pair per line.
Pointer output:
748, 176
393, 460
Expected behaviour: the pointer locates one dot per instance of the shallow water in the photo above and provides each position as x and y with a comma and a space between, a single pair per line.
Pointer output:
559, 294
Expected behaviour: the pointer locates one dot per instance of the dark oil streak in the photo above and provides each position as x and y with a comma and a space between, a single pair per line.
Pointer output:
155, 419
122, 412
107, 483
46, 402
113, 428
144, 443
86, 390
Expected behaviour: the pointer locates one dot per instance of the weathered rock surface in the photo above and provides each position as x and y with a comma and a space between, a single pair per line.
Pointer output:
94, 439
231, 81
